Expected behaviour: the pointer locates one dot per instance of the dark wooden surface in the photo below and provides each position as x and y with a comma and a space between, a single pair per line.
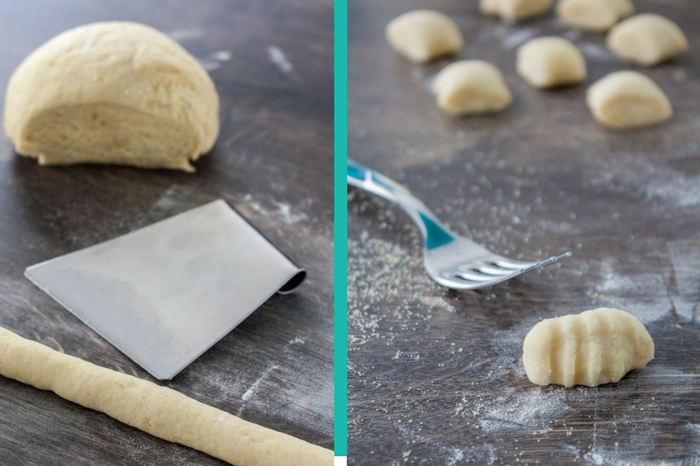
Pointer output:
273, 162
436, 377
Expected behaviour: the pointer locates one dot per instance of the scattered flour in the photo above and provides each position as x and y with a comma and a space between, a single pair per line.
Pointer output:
281, 211
636, 294
651, 180
214, 60
514, 37
299, 393
535, 409
596, 52
279, 59
685, 257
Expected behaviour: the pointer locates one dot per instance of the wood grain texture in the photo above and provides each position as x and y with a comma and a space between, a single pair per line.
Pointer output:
273, 162
436, 376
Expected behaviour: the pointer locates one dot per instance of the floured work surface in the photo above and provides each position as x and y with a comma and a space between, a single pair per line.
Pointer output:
276, 368
436, 377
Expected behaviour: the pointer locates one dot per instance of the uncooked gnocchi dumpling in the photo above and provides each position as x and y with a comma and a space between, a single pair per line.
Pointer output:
514, 10
647, 39
423, 35
471, 87
591, 348
594, 15
627, 99
550, 61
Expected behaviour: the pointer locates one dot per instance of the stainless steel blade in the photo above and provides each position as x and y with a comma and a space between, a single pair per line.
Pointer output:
166, 293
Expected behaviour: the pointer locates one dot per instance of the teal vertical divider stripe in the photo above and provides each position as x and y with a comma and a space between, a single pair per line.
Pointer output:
341, 227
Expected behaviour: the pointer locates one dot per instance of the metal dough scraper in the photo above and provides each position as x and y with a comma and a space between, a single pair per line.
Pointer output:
166, 293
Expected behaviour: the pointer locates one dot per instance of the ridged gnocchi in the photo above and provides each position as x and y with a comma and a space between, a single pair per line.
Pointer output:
592, 348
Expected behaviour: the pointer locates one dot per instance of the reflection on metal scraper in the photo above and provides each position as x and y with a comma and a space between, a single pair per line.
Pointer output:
166, 293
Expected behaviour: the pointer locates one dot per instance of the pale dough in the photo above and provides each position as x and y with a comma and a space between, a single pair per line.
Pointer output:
591, 348
514, 10
157, 410
115, 93
627, 99
550, 61
647, 39
423, 35
471, 87
594, 15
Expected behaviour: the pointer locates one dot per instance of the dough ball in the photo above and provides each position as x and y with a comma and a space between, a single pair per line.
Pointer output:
594, 15
647, 39
423, 35
112, 93
591, 348
471, 87
514, 10
550, 61
628, 99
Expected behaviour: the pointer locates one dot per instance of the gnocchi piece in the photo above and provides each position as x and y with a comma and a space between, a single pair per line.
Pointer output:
550, 61
423, 35
592, 348
594, 15
515, 10
627, 99
647, 39
471, 87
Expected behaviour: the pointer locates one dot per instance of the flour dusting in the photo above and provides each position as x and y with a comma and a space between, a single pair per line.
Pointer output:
214, 60
636, 294
300, 391
279, 59
685, 256
519, 37
281, 211
254, 388
534, 409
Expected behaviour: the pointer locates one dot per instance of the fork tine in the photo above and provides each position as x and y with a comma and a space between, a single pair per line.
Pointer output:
488, 269
478, 275
511, 264
471, 276
550, 261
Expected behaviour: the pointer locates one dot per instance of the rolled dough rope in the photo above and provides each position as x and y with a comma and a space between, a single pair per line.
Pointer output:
157, 410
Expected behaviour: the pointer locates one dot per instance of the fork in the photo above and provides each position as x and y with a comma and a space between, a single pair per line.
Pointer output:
451, 260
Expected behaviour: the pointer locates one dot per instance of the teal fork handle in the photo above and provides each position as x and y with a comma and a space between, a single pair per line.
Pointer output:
433, 231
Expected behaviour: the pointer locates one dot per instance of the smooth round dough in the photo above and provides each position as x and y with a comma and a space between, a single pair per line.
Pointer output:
647, 39
547, 62
594, 15
112, 93
423, 35
627, 99
592, 348
471, 87
515, 10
